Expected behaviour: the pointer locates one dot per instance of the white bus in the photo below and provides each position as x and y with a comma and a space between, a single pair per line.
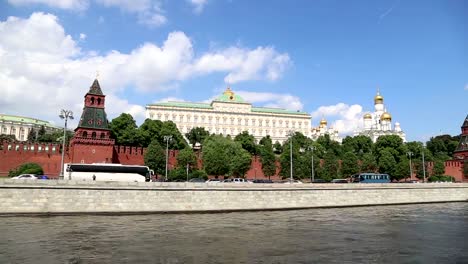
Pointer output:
107, 172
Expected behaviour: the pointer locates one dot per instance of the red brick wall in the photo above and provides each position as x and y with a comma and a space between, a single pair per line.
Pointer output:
13, 155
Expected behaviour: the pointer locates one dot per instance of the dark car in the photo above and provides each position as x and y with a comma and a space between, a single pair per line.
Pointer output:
42, 177
197, 180
339, 181
319, 181
262, 181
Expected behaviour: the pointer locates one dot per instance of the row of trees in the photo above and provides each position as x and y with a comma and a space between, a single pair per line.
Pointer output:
232, 156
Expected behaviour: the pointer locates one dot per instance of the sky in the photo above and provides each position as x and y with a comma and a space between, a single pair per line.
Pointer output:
325, 57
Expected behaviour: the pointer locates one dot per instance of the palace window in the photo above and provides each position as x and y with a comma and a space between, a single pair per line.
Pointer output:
93, 135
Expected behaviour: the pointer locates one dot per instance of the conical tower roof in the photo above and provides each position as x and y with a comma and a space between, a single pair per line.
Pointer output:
95, 88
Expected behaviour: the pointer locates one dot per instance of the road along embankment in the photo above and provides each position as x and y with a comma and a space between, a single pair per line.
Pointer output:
86, 197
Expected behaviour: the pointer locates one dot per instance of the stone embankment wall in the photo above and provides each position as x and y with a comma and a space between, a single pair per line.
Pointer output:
71, 197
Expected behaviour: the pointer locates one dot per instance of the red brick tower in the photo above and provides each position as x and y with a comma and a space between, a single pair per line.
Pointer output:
92, 142
461, 152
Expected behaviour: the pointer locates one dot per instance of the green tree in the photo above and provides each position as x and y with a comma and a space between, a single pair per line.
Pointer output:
197, 135
240, 161
277, 148
32, 137
267, 157
7, 138
349, 164
387, 162
155, 158
331, 167
124, 131
358, 145
41, 132
439, 168
330, 145
26, 168
169, 128
390, 143
368, 163
248, 142
401, 170
216, 160
186, 156
149, 131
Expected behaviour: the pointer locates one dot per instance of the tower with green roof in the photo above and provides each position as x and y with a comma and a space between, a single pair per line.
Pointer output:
92, 142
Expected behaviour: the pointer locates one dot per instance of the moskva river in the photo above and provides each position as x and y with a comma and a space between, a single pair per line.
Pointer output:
430, 233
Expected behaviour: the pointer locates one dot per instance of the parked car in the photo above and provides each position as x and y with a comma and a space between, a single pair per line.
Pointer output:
42, 177
25, 177
339, 181
319, 181
262, 181
293, 182
213, 180
197, 180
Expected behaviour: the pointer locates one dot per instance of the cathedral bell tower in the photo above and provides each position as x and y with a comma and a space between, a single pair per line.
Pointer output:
92, 142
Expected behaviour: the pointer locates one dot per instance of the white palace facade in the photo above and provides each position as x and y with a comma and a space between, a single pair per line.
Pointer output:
20, 126
379, 123
229, 114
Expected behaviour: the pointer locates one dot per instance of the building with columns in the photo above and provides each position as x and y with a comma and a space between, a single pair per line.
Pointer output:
229, 114
379, 123
323, 129
20, 126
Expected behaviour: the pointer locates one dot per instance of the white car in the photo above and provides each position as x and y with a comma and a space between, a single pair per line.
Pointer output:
293, 182
213, 181
25, 177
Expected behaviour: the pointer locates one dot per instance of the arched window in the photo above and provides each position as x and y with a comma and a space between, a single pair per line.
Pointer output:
85, 134
92, 100
93, 135
103, 135
99, 101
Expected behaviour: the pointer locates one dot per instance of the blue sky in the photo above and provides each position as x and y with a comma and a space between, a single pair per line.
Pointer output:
323, 57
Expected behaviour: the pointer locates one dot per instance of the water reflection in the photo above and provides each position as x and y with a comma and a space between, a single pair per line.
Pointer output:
433, 233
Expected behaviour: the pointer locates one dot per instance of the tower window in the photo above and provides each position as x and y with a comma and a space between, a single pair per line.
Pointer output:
99, 101
93, 135
85, 134
103, 135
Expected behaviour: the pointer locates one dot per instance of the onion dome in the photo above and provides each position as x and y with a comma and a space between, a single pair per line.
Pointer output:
367, 116
378, 99
323, 122
386, 117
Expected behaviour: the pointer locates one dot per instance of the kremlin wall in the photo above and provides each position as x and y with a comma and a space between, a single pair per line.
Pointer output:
92, 144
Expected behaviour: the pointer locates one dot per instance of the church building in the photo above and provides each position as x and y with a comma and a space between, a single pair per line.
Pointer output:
379, 123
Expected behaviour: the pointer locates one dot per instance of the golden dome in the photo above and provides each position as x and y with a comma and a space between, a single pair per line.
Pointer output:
378, 99
323, 122
386, 117
367, 116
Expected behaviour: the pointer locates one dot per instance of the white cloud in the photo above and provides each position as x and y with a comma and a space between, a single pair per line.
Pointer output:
243, 64
466, 86
149, 12
198, 5
82, 36
345, 118
43, 69
170, 99
62, 4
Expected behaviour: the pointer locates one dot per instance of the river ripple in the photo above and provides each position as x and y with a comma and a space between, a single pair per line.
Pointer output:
430, 233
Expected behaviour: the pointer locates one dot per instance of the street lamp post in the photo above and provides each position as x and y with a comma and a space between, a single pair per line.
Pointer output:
64, 114
312, 164
409, 153
167, 139
423, 164
291, 133
187, 170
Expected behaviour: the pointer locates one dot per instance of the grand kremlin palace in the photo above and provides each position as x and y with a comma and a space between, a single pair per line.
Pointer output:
229, 114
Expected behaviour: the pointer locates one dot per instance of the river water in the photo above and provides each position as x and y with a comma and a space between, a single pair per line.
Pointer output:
429, 233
